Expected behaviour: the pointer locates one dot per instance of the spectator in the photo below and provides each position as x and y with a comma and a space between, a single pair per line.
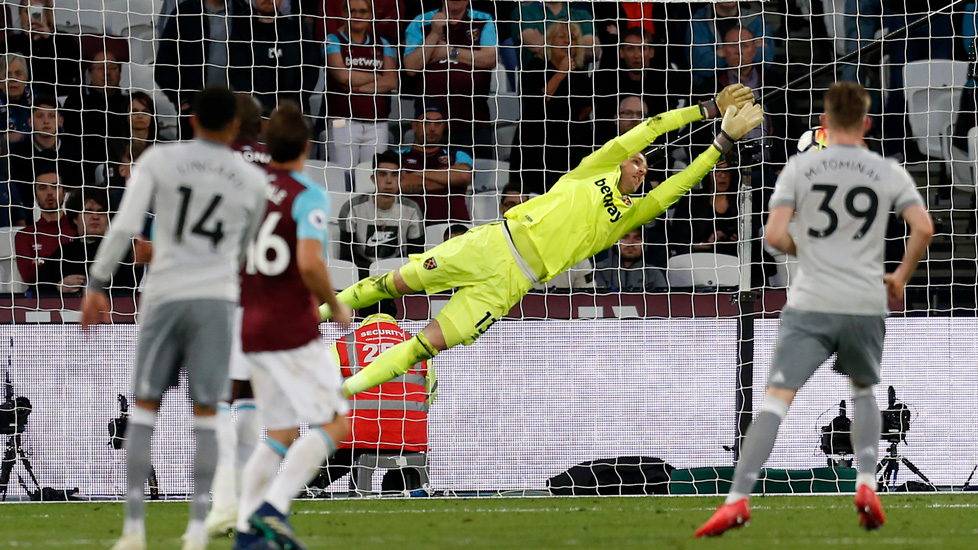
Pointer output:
98, 110
632, 110
143, 130
624, 270
40, 240
381, 225
453, 49
193, 50
454, 230
361, 70
738, 49
708, 221
712, 22
554, 133
46, 146
388, 19
437, 177
15, 100
272, 58
613, 19
66, 271
643, 72
54, 59
532, 21
511, 195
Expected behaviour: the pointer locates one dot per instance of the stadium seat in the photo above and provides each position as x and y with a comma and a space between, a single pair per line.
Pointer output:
383, 266
933, 91
342, 273
434, 235
330, 177
703, 269
362, 183
563, 281
484, 207
489, 176
10, 280
973, 155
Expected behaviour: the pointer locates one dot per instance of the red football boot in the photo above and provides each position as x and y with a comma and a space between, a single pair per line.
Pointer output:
869, 508
728, 516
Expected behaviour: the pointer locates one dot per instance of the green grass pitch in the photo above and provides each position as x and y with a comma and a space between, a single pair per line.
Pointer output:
943, 521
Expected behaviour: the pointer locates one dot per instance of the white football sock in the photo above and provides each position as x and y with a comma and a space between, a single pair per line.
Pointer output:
258, 474
302, 464
247, 427
225, 486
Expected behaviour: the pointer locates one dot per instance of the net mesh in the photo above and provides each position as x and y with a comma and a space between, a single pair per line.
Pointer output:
478, 116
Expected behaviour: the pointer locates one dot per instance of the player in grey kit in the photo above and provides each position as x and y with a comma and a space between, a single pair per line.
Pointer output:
209, 204
840, 198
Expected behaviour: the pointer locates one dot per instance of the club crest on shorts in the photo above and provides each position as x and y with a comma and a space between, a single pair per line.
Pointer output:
430, 264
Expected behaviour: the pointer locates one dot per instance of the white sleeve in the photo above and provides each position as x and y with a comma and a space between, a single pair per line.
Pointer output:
126, 223
907, 194
785, 188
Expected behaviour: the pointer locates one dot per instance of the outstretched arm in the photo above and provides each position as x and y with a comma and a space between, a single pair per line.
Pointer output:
735, 126
640, 137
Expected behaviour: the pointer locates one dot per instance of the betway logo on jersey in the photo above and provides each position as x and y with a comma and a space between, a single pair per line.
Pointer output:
363, 62
609, 200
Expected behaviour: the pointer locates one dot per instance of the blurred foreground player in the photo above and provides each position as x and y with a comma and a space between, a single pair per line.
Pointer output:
391, 418
292, 375
208, 205
587, 210
238, 428
840, 197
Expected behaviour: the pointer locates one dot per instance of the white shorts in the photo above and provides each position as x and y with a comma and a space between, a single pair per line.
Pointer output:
296, 386
238, 366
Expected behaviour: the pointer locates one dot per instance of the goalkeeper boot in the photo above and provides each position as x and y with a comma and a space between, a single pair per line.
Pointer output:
220, 521
728, 516
275, 527
869, 508
131, 541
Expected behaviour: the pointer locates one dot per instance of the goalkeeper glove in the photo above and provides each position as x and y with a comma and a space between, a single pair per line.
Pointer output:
736, 124
736, 95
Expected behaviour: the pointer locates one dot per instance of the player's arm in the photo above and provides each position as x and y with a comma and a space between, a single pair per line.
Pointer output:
776, 231
315, 275
640, 137
117, 242
735, 125
309, 210
921, 232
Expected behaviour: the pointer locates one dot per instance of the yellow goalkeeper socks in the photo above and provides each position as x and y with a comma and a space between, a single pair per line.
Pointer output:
365, 292
390, 364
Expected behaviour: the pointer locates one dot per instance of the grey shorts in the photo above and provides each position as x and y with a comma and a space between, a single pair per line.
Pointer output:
191, 334
807, 338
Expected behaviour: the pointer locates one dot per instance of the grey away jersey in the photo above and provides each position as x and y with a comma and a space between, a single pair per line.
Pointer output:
842, 196
208, 205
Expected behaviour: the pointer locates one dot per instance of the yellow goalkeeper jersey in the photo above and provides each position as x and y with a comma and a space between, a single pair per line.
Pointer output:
585, 213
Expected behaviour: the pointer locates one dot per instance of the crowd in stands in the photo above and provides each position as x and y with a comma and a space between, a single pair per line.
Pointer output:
581, 73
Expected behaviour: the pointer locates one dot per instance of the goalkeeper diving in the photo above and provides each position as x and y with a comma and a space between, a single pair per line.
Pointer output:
493, 266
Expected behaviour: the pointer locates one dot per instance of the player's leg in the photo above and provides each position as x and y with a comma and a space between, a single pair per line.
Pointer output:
369, 291
309, 381
860, 356
207, 356
489, 283
235, 440
156, 368
804, 342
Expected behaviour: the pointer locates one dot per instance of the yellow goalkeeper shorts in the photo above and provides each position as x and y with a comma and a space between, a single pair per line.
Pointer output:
480, 265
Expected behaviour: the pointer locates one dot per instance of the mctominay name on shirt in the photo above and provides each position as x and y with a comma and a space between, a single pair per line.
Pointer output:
835, 165
609, 200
